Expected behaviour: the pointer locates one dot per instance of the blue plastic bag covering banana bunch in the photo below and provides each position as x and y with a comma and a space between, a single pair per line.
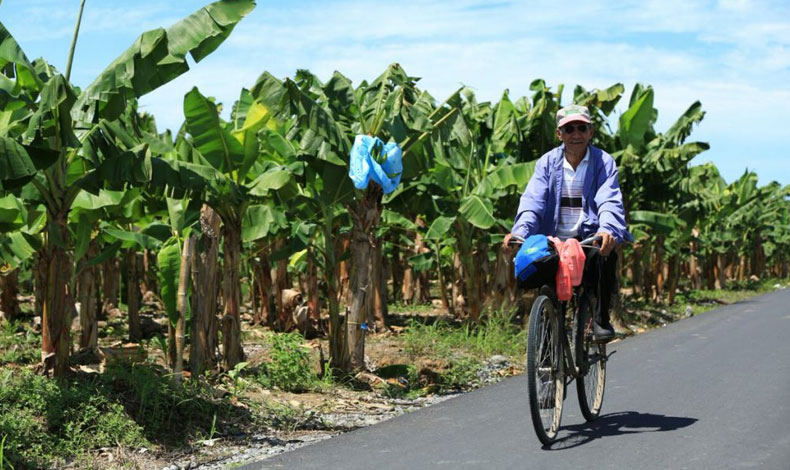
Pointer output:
372, 159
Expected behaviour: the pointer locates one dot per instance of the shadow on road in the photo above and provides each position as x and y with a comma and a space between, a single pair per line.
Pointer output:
615, 424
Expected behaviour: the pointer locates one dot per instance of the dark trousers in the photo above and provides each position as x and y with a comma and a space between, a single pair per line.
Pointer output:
600, 275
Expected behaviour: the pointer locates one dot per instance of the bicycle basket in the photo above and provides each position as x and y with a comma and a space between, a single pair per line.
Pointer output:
536, 262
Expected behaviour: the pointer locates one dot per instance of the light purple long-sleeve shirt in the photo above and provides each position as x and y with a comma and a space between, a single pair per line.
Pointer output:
602, 201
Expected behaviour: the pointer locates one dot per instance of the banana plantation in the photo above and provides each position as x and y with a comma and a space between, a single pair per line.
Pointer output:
251, 215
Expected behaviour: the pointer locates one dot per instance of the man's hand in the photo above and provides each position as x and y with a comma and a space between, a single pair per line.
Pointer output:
607, 243
506, 242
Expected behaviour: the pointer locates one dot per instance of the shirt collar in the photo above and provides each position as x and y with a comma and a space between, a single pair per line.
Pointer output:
584, 161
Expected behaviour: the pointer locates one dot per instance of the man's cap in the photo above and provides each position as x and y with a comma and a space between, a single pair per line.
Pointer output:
571, 113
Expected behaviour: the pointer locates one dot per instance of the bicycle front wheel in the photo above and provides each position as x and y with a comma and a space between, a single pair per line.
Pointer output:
591, 361
544, 369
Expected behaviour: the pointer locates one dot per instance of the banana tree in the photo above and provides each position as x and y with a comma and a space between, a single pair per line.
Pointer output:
654, 173
326, 117
236, 177
19, 226
57, 119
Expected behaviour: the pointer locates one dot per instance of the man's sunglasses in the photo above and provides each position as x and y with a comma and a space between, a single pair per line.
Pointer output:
569, 128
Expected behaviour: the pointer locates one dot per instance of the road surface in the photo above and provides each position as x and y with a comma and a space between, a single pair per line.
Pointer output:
711, 391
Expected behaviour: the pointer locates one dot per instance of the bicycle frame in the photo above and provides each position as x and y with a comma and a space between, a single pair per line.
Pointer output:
574, 366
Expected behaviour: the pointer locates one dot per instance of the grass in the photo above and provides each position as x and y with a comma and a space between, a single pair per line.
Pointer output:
48, 423
19, 344
400, 307
289, 366
464, 348
698, 301
497, 334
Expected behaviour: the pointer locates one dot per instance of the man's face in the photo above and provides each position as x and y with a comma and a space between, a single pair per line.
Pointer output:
573, 137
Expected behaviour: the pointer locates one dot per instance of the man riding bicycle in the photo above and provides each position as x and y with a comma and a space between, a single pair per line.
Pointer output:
574, 193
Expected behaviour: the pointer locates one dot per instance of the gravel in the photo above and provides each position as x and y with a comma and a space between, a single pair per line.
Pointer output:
326, 425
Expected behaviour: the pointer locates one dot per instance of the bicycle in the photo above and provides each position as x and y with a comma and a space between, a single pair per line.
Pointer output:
551, 362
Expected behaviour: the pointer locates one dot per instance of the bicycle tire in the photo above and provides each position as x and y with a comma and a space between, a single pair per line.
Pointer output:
591, 361
546, 382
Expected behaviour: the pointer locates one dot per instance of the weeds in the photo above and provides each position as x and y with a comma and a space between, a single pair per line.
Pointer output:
464, 348
497, 334
48, 421
4, 463
19, 344
289, 368
237, 384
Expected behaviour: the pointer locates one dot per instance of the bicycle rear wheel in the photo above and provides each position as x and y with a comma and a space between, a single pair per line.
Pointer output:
591, 360
544, 369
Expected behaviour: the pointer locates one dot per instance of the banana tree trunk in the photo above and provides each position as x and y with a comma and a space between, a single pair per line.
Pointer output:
281, 282
205, 267
111, 284
503, 283
741, 268
758, 258
231, 283
471, 287
343, 272
55, 321
694, 268
721, 276
40, 283
636, 269
332, 272
422, 288
9, 288
313, 302
458, 300
396, 271
379, 312
673, 273
266, 306
482, 268
148, 278
181, 307
133, 296
87, 297
407, 285
660, 269
365, 218
446, 301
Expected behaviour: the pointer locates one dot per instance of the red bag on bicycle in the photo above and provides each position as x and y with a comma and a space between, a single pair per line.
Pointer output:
571, 267
573, 255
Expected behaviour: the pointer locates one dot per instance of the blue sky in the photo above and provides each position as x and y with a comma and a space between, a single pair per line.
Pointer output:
732, 55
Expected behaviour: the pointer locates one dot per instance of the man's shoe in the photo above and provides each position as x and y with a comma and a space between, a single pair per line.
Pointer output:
602, 333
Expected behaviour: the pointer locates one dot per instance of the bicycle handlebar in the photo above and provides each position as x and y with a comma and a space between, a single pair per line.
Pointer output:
590, 240
515, 240
587, 242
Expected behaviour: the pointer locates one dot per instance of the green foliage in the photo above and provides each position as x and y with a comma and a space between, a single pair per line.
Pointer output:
165, 410
18, 344
461, 375
289, 365
169, 261
496, 334
464, 347
237, 383
46, 421
3, 462
157, 57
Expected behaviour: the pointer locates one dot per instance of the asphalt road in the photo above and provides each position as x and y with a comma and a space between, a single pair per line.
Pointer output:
712, 391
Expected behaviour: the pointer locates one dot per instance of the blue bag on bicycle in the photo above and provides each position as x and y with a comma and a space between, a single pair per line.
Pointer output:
536, 262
